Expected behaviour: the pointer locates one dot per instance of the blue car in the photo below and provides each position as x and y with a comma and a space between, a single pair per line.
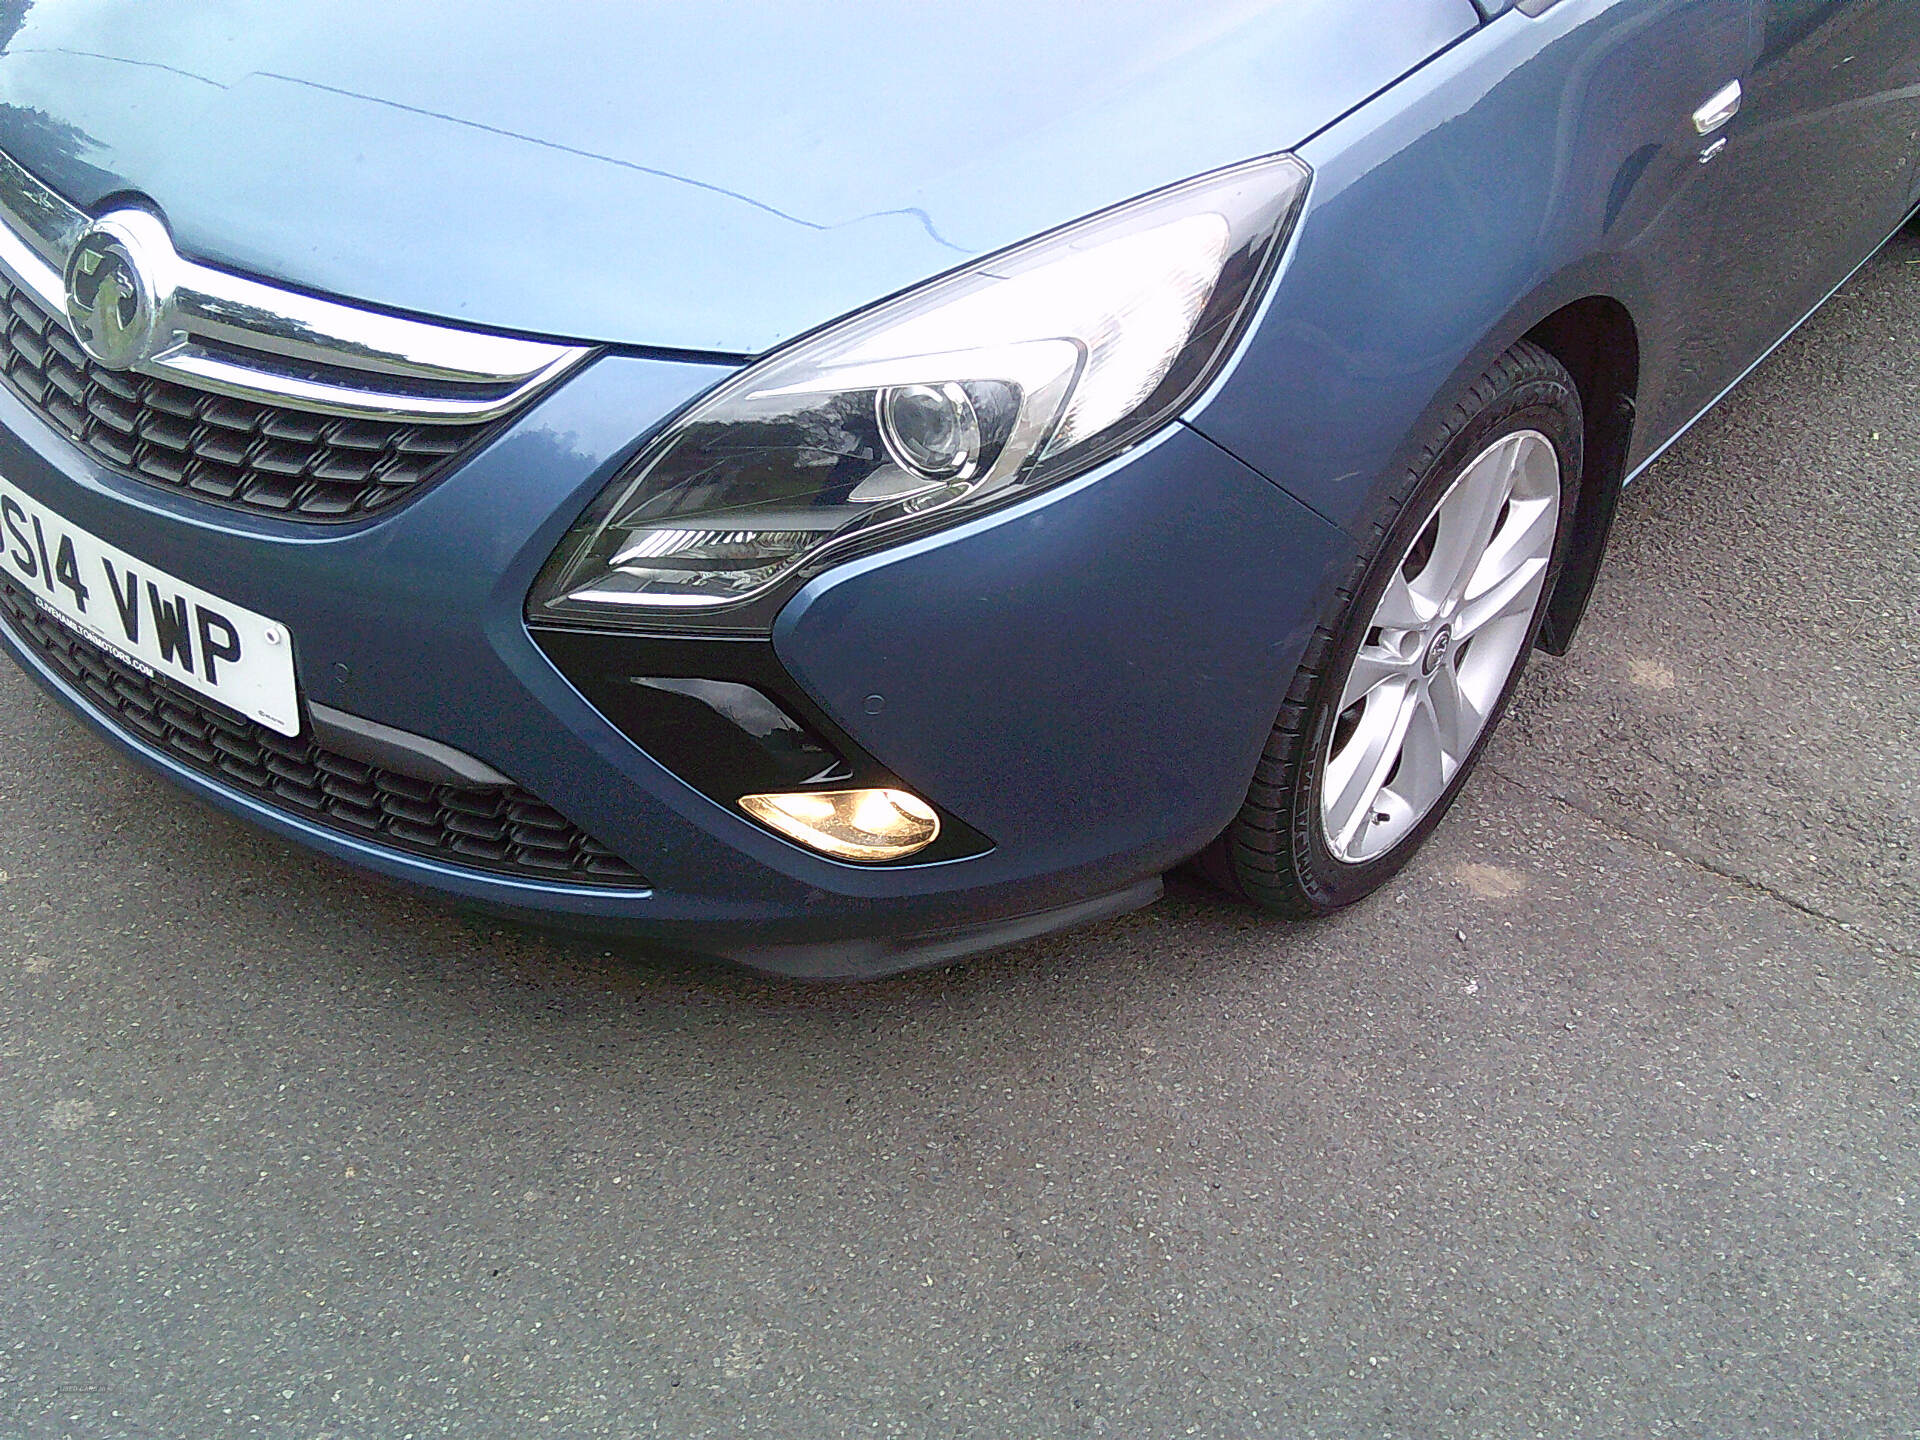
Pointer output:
841, 487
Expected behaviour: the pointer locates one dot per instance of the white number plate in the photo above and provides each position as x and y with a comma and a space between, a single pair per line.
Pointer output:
160, 625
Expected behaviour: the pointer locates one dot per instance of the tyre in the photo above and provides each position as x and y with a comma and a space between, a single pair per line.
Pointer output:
1410, 670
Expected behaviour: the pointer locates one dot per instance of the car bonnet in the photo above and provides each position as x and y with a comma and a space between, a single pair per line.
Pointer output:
694, 178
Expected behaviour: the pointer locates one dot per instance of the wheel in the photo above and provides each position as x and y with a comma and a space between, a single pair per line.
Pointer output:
1409, 672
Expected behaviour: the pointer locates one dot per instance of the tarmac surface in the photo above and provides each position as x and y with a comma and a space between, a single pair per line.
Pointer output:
1605, 1120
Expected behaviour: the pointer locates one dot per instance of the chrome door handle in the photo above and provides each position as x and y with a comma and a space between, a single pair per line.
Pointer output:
1719, 109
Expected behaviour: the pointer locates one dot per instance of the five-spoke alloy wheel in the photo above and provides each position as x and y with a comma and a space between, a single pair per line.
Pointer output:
1420, 651
1455, 619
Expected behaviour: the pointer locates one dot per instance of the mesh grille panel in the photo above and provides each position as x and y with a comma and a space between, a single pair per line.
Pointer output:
266, 458
506, 831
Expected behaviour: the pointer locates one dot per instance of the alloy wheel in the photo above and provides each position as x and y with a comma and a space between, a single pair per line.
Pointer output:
1445, 636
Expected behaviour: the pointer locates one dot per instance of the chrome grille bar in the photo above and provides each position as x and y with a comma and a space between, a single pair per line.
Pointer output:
254, 341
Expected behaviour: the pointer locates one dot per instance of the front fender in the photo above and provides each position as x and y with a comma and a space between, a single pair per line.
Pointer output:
1538, 163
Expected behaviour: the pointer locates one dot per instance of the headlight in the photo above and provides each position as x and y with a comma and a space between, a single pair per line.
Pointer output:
970, 391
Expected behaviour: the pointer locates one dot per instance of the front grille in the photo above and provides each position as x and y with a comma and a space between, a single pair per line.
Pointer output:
506, 831
271, 459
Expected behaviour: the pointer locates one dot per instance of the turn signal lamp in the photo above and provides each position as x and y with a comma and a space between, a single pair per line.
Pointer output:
864, 825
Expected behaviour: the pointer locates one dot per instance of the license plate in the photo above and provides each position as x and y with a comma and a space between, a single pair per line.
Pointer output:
158, 624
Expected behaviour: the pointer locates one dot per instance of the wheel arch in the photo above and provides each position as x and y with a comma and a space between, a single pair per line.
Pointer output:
1588, 316
1585, 317
1596, 339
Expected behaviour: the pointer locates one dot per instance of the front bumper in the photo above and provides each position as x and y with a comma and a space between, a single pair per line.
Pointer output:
1086, 678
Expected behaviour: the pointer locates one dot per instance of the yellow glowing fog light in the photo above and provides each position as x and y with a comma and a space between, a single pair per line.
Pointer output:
849, 824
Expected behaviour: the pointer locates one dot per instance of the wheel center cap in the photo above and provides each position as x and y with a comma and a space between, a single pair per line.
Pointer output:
1437, 649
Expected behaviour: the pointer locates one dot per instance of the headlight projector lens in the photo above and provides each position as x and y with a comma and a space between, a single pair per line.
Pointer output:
931, 430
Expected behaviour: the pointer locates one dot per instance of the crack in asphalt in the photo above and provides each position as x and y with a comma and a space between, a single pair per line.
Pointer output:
1873, 936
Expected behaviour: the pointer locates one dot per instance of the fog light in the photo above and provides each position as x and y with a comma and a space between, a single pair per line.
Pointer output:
849, 824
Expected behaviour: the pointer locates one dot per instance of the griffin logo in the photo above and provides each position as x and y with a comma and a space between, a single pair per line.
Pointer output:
109, 301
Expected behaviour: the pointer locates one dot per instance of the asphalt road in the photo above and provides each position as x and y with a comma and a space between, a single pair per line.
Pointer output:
1604, 1121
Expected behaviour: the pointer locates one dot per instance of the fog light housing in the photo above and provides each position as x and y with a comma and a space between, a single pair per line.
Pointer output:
866, 825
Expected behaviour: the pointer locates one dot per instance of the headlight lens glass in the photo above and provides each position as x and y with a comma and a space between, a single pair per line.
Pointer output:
1015, 372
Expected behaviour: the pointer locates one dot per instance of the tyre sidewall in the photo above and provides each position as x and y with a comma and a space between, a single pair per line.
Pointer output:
1543, 403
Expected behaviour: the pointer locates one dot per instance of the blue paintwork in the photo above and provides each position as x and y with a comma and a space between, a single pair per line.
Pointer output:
1550, 160
1024, 609
1087, 677
666, 175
